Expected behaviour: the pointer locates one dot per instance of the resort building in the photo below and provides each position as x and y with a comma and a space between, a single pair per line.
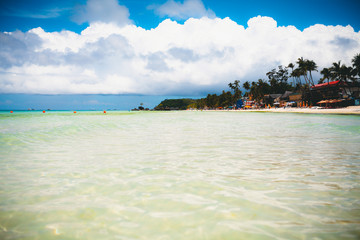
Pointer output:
336, 94
282, 100
295, 99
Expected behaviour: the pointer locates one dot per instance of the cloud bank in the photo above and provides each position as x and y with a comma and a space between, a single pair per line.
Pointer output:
182, 11
103, 11
196, 57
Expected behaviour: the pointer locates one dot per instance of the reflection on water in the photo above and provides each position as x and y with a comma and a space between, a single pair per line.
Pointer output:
179, 175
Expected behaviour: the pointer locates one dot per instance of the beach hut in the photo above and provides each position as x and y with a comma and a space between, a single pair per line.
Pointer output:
271, 98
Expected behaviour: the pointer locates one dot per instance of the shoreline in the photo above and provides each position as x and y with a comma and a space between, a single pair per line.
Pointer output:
351, 110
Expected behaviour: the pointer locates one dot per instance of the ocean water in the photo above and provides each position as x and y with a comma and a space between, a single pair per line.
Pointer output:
179, 175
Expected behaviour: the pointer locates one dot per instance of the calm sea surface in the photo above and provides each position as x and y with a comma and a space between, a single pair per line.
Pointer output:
179, 175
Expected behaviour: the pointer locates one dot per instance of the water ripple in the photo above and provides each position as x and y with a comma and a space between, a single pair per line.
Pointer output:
176, 175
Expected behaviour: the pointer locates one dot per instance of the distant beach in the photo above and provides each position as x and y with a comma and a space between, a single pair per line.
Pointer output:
353, 110
347, 110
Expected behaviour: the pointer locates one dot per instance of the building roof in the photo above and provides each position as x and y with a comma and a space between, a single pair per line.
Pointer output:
286, 94
273, 95
333, 83
331, 101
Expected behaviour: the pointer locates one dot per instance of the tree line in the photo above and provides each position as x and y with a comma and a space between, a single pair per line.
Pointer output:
295, 77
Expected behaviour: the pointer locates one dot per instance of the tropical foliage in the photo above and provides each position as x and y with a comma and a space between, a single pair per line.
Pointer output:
175, 104
225, 100
296, 77
342, 72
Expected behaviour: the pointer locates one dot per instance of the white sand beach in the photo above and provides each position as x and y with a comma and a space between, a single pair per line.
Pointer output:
347, 110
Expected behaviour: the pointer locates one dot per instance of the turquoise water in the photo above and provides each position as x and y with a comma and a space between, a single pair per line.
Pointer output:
179, 175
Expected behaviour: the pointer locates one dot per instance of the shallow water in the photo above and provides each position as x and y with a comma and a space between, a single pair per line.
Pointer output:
179, 175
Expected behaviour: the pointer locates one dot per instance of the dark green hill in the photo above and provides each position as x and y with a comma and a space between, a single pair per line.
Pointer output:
175, 104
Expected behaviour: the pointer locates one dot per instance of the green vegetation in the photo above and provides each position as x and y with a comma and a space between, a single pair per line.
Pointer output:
342, 72
224, 100
175, 104
295, 78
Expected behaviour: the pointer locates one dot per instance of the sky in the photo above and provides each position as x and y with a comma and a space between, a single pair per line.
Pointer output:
89, 54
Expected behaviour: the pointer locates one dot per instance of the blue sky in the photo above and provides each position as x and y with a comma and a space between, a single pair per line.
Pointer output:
56, 15
78, 51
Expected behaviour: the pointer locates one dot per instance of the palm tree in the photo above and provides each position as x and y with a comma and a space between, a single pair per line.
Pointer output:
253, 90
356, 64
271, 74
291, 65
347, 73
246, 85
311, 66
297, 74
305, 66
235, 86
326, 75
342, 72
335, 70
302, 69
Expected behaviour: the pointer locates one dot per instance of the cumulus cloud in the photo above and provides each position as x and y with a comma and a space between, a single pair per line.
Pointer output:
17, 48
102, 11
196, 57
182, 11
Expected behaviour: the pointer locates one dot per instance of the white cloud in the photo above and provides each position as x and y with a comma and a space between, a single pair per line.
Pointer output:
195, 57
102, 11
182, 11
